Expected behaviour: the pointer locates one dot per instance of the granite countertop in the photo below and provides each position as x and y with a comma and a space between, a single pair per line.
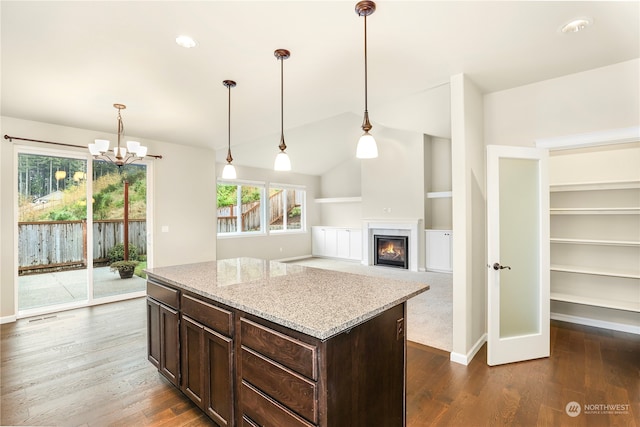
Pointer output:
320, 303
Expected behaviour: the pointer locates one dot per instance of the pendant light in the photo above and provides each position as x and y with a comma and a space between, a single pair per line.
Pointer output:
367, 148
282, 162
229, 171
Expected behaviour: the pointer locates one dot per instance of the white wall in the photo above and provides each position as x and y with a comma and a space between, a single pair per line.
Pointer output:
393, 183
469, 219
274, 246
183, 199
343, 180
594, 100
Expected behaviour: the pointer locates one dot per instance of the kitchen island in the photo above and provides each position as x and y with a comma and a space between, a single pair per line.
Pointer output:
263, 343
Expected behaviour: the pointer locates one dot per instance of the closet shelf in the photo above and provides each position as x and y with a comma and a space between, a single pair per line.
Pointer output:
438, 194
595, 242
590, 186
595, 211
598, 302
595, 271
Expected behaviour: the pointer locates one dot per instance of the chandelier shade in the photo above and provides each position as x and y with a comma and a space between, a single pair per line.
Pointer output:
121, 156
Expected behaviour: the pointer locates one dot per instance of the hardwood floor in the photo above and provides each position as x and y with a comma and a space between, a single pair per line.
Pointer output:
88, 367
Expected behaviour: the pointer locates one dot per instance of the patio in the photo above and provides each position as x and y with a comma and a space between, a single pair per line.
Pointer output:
64, 287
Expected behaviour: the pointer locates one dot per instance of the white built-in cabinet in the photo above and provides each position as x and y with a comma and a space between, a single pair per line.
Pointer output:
336, 242
595, 244
439, 250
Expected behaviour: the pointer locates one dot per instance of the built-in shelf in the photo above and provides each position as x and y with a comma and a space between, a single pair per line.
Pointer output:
590, 186
595, 271
597, 302
595, 242
595, 211
438, 194
357, 199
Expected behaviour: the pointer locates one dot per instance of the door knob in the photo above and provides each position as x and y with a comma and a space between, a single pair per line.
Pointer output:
497, 266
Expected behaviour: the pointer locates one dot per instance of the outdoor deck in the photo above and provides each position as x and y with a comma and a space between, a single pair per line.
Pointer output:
40, 290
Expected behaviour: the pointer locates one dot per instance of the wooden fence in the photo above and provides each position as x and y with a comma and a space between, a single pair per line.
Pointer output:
50, 245
227, 220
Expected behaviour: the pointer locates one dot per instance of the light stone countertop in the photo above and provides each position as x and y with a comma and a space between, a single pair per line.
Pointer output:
320, 303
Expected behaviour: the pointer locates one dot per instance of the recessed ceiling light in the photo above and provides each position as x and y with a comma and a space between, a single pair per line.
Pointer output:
576, 25
185, 41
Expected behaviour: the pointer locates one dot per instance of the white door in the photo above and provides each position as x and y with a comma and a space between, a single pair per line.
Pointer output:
517, 254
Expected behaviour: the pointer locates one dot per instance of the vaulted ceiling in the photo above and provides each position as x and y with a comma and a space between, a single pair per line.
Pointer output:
67, 62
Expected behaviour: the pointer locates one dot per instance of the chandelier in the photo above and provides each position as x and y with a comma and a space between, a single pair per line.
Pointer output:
121, 156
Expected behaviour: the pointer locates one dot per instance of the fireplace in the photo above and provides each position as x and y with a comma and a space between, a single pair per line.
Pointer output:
392, 251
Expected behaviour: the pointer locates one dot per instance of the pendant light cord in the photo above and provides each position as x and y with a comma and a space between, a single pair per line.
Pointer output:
365, 64
229, 158
282, 145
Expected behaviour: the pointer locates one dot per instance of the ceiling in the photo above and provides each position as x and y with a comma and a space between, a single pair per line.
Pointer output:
67, 62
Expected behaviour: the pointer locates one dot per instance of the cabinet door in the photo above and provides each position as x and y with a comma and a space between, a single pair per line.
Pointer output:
331, 242
170, 344
343, 243
193, 376
355, 244
317, 241
219, 377
153, 332
439, 250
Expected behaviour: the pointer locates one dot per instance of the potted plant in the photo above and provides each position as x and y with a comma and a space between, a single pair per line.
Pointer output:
124, 268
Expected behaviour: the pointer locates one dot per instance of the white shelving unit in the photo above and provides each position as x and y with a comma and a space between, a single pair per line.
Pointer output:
439, 253
595, 244
336, 242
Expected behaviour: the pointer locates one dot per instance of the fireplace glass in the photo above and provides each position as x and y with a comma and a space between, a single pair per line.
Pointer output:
392, 251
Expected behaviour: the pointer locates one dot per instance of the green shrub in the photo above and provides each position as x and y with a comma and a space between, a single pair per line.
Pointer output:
116, 253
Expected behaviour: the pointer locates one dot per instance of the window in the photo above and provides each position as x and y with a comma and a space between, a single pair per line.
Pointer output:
286, 208
240, 207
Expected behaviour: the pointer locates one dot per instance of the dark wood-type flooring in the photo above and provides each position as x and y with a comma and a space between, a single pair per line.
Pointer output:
88, 367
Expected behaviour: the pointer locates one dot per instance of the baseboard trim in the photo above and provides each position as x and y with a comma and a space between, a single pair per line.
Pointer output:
295, 258
7, 319
621, 327
465, 359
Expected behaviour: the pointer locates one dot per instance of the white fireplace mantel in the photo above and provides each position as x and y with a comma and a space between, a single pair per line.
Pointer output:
398, 227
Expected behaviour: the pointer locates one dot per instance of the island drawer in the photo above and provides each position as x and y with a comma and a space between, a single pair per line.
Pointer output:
294, 354
292, 390
163, 294
216, 318
264, 411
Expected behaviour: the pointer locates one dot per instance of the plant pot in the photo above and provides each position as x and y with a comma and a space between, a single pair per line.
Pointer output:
125, 274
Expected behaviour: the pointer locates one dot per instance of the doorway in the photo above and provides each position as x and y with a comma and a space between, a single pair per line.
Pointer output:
69, 224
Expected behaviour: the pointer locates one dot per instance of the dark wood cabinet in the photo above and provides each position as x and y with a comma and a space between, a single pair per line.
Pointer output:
247, 371
355, 379
163, 330
207, 358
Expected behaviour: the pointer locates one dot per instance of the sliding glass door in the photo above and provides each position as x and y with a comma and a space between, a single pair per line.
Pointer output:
74, 214
119, 205
52, 227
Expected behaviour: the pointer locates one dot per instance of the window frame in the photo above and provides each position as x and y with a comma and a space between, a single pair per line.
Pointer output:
303, 204
239, 184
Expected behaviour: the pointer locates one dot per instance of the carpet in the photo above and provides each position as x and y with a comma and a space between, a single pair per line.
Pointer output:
429, 315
